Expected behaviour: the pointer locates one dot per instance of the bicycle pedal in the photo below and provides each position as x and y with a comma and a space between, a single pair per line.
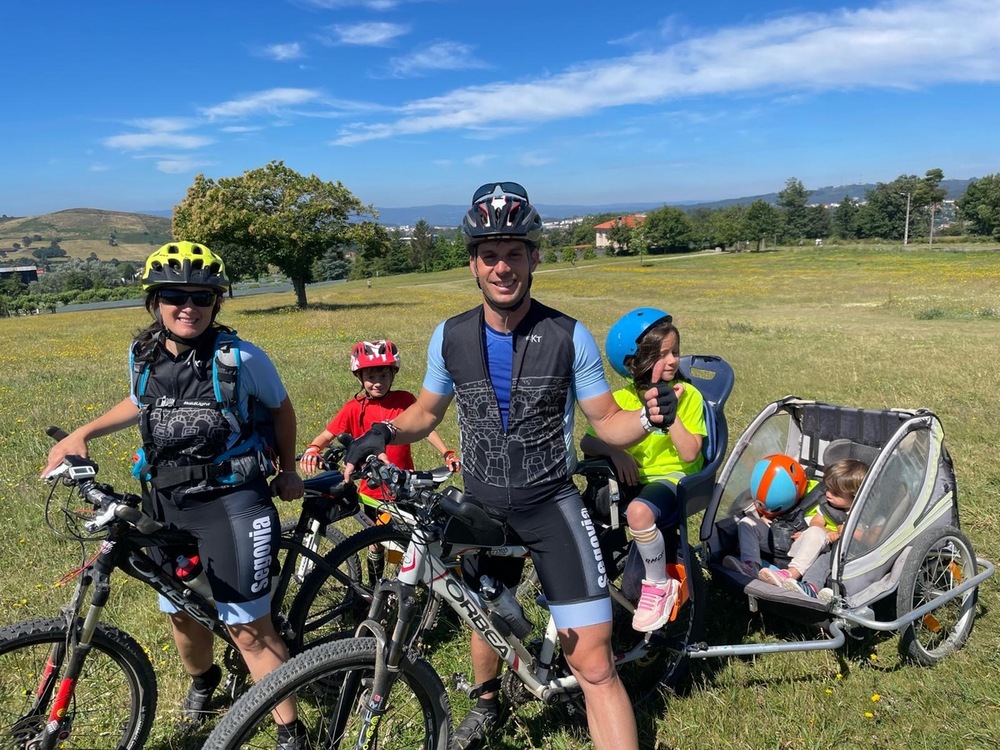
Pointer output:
461, 682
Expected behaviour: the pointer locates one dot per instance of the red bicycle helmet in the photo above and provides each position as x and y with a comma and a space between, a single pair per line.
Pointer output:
379, 353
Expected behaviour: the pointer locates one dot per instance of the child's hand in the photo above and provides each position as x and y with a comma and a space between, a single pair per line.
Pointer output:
310, 461
625, 466
796, 534
452, 462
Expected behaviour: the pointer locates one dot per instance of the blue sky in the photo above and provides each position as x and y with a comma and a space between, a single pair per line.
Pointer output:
119, 104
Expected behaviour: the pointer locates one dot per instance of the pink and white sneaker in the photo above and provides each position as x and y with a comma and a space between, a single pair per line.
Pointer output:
775, 576
655, 605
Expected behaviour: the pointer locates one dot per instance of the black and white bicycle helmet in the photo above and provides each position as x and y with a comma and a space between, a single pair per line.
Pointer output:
501, 211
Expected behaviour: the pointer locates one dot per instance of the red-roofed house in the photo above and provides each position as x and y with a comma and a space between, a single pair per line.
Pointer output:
601, 230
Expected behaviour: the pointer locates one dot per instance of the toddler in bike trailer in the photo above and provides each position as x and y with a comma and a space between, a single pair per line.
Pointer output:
636, 344
795, 520
375, 365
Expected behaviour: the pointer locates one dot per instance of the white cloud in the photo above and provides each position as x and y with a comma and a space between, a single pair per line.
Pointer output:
181, 165
478, 160
337, 4
371, 34
903, 45
156, 139
437, 56
283, 52
534, 159
240, 129
99, 167
271, 101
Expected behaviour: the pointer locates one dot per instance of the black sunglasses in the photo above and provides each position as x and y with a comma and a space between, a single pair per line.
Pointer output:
508, 188
177, 298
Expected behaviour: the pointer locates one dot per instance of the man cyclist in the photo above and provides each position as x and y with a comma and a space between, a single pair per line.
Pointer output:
516, 368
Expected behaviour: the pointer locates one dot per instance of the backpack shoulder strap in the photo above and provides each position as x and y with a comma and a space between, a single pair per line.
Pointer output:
226, 371
139, 370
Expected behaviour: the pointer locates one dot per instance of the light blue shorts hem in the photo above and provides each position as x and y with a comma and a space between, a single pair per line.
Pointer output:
230, 613
581, 614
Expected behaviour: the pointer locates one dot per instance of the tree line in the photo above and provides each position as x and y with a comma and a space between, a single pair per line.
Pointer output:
313, 230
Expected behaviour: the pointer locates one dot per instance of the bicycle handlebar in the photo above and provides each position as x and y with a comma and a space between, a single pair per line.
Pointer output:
110, 505
419, 487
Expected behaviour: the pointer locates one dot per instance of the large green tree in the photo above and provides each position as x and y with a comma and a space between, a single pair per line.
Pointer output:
793, 202
761, 222
845, 219
422, 246
288, 219
980, 206
668, 229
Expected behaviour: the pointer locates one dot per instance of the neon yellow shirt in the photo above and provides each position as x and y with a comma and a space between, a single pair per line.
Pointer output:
656, 455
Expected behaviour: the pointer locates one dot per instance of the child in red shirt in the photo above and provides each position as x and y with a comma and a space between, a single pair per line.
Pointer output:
375, 364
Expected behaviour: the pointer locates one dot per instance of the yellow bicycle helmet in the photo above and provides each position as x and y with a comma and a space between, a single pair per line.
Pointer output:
187, 263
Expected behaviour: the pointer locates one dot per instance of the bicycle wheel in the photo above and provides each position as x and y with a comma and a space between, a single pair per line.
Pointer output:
114, 700
666, 663
332, 684
322, 546
331, 604
938, 561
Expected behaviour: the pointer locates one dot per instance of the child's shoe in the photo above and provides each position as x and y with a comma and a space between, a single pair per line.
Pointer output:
800, 587
826, 595
655, 605
774, 576
745, 567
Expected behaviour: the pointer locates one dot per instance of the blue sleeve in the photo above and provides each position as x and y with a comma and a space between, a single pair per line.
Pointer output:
437, 379
588, 371
259, 378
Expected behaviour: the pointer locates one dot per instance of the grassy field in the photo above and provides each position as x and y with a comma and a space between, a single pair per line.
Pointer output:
860, 327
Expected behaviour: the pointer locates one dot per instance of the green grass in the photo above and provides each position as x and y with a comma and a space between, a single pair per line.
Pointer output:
869, 328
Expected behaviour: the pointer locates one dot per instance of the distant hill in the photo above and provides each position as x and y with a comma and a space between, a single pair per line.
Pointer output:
450, 216
82, 231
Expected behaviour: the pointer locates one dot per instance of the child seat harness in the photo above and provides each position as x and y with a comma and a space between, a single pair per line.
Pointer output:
783, 526
177, 432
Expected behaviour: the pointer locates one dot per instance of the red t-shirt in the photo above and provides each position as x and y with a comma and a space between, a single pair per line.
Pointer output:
358, 415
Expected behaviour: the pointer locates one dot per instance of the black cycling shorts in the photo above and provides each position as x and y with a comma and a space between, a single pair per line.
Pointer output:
565, 552
237, 531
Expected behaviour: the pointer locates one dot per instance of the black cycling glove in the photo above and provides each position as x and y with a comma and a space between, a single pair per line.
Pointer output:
372, 443
666, 401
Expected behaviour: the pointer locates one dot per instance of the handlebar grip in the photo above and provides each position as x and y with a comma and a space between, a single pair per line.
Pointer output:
56, 433
137, 518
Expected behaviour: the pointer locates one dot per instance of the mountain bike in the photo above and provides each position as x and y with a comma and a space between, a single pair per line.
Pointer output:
331, 604
372, 691
75, 681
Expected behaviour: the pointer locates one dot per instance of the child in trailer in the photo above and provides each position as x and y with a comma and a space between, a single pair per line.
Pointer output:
794, 520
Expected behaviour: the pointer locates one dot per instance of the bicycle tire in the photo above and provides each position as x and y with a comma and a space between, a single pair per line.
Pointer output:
331, 604
667, 664
939, 560
114, 703
332, 538
333, 679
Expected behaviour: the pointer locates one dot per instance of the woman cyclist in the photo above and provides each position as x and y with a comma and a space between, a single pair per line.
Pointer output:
205, 463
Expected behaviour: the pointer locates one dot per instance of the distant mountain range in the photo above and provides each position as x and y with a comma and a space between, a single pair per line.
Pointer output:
450, 216
442, 215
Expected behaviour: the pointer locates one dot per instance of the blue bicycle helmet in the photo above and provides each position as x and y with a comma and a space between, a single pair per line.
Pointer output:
623, 338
